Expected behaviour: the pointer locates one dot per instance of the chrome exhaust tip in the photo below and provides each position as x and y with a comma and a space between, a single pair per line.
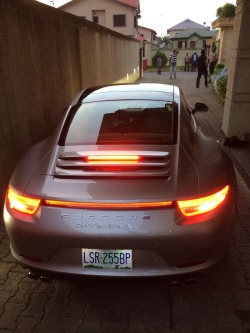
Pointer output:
45, 279
35, 276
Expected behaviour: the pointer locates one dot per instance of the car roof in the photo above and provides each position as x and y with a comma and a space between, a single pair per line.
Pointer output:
147, 91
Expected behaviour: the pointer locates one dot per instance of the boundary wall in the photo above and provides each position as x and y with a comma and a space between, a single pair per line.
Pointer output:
46, 57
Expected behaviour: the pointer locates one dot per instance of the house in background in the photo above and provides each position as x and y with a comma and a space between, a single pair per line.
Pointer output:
147, 37
184, 25
118, 15
193, 39
187, 37
148, 34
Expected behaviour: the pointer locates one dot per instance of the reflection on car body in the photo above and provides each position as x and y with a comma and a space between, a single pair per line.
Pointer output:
128, 185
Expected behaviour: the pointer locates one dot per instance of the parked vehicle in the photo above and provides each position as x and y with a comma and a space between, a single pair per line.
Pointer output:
127, 185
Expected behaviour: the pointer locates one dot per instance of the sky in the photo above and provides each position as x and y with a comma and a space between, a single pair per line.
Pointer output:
161, 15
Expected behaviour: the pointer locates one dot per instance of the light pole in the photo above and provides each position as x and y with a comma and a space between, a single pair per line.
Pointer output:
161, 24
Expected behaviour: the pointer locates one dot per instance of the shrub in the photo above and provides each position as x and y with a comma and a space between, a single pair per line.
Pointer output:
219, 80
218, 68
161, 55
228, 10
221, 86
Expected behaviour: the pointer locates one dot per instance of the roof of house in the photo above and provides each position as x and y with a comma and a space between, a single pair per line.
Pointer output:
130, 3
187, 24
202, 33
149, 29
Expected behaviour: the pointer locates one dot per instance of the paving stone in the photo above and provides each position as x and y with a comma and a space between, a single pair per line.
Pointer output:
27, 324
36, 307
10, 315
6, 296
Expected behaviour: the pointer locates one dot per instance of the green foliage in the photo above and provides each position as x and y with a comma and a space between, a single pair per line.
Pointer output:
166, 39
162, 55
161, 40
219, 80
218, 68
228, 10
221, 86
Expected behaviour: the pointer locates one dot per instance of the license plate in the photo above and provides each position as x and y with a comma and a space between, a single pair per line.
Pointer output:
111, 259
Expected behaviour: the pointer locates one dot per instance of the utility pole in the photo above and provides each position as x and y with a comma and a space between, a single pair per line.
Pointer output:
161, 24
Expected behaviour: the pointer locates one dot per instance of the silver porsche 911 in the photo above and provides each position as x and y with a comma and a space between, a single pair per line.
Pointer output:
127, 185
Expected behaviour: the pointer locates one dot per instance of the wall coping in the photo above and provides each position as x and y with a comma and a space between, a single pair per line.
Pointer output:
223, 22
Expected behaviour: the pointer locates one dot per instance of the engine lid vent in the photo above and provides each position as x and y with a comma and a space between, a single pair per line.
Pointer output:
125, 164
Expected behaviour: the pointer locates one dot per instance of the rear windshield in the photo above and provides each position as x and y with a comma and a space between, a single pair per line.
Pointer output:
122, 122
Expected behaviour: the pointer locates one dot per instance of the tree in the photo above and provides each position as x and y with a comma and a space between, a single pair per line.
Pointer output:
166, 39
228, 10
161, 55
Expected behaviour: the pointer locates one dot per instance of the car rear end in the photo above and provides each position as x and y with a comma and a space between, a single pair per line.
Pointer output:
113, 200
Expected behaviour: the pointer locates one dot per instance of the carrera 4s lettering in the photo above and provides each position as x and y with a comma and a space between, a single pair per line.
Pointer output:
103, 226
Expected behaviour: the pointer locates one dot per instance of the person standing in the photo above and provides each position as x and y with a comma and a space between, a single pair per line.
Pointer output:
159, 64
202, 68
212, 60
172, 63
186, 61
193, 61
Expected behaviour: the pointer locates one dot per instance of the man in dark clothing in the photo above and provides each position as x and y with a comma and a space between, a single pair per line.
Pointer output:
193, 62
202, 68
159, 64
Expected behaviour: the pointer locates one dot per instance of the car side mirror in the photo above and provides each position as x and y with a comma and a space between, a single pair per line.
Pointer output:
199, 107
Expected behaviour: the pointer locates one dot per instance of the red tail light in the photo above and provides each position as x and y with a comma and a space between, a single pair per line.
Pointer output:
113, 159
29, 205
22, 203
111, 205
203, 205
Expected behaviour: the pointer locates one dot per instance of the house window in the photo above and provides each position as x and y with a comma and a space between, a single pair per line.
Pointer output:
192, 45
135, 22
95, 19
182, 44
119, 20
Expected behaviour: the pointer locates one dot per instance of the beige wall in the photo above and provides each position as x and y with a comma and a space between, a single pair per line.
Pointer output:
46, 57
147, 33
224, 35
86, 9
236, 119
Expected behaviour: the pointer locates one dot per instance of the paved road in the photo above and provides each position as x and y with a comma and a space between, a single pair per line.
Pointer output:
217, 301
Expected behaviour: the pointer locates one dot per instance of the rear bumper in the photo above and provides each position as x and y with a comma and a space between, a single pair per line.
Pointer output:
145, 264
160, 247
